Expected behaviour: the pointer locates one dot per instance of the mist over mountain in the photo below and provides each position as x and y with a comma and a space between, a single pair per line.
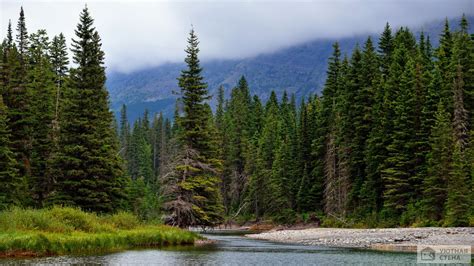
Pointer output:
300, 69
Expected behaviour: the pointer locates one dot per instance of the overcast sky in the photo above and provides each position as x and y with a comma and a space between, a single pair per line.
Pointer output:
138, 34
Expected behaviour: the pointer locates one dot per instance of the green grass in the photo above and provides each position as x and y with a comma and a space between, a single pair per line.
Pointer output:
64, 230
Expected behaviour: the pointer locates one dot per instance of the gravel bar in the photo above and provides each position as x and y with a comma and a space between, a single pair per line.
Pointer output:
387, 239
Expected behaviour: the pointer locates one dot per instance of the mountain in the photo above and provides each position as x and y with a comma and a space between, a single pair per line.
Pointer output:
300, 69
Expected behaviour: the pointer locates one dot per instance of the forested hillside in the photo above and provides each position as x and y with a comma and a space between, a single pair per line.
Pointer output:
387, 143
300, 69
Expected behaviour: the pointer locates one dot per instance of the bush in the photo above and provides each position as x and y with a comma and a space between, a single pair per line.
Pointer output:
286, 216
123, 220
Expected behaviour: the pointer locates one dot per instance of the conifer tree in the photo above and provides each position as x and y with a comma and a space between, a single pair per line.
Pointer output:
460, 118
399, 165
458, 201
59, 63
124, 132
42, 88
90, 174
386, 49
17, 98
9, 40
22, 38
439, 161
191, 189
10, 183
444, 55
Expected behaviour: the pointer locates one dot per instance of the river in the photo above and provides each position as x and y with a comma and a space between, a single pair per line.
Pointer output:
233, 249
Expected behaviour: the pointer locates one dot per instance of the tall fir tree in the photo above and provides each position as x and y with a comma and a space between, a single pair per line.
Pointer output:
22, 38
42, 89
458, 198
439, 162
89, 168
59, 63
11, 184
190, 188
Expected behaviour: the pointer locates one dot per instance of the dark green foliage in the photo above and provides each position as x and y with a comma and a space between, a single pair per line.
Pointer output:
89, 169
458, 202
190, 186
10, 183
17, 98
59, 63
42, 89
22, 37
439, 162
389, 141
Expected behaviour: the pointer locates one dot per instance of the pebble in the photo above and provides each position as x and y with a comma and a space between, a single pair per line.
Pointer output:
337, 237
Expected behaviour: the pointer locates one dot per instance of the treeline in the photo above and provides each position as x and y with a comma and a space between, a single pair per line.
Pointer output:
386, 144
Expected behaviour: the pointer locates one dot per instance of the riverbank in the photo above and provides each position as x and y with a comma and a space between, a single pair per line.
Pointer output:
386, 239
58, 231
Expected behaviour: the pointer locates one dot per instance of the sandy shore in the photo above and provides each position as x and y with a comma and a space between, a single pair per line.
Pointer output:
390, 239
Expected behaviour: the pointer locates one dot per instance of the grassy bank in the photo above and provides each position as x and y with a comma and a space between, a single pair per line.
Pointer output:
61, 230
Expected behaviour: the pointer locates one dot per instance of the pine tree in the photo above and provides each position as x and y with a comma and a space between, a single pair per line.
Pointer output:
9, 40
22, 38
444, 55
156, 141
124, 132
190, 188
268, 145
59, 63
42, 88
17, 98
439, 161
367, 98
10, 183
220, 109
399, 165
457, 204
460, 118
386, 49
90, 173
325, 118
237, 140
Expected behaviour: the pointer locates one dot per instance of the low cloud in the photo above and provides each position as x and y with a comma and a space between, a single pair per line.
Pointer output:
141, 34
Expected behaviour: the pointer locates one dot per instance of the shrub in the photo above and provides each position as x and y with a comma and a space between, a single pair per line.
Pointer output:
123, 220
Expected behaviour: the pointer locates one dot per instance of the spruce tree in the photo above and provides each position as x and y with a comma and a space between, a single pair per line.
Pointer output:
10, 183
9, 39
124, 132
190, 188
386, 49
42, 89
90, 174
460, 115
17, 98
458, 199
59, 63
22, 37
439, 161
399, 165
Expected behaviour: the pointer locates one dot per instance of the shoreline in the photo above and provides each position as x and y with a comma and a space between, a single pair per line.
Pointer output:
382, 239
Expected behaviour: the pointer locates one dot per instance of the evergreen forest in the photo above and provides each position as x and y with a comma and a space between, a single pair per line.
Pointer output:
387, 143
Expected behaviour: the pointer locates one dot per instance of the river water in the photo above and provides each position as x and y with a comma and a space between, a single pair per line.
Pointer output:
234, 249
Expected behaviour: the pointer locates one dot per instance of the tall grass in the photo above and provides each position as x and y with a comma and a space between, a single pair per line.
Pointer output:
63, 230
